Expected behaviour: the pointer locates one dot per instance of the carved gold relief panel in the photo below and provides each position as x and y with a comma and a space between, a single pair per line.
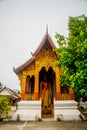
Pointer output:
45, 58
46, 53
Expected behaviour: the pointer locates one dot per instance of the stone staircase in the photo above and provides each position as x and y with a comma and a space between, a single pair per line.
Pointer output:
47, 117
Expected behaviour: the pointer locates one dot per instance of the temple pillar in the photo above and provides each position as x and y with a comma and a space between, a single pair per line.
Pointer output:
71, 94
36, 84
57, 83
23, 85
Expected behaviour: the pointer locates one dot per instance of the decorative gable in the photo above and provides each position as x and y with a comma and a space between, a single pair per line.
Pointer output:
45, 49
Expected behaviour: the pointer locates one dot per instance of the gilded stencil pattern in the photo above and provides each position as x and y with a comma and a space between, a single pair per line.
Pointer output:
45, 58
46, 52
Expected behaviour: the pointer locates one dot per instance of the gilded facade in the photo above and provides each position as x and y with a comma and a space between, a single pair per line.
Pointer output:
39, 77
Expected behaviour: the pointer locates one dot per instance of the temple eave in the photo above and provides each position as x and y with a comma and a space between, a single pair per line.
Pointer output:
22, 67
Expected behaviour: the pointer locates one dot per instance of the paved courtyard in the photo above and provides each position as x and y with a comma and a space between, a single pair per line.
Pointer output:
44, 125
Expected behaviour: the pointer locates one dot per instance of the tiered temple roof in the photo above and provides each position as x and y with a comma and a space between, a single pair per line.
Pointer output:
34, 55
5, 91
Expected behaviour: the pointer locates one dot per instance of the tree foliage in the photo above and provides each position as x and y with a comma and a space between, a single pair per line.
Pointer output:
1, 85
72, 54
4, 106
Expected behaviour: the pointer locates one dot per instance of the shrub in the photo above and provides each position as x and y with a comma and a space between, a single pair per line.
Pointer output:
4, 107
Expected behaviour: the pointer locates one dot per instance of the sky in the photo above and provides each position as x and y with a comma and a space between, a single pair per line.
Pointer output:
23, 25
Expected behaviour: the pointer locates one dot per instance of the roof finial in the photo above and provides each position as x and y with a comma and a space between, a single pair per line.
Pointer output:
46, 28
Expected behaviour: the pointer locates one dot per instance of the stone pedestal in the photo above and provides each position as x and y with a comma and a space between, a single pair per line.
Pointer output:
67, 110
28, 110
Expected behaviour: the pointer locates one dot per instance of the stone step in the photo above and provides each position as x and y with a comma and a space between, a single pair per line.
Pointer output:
47, 119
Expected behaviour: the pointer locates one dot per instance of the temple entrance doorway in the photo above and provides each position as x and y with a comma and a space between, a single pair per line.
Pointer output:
47, 90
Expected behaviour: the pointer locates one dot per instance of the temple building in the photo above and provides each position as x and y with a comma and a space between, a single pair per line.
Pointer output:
39, 78
13, 96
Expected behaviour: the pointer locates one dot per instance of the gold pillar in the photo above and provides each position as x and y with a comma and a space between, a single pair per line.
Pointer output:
71, 94
57, 72
36, 84
23, 85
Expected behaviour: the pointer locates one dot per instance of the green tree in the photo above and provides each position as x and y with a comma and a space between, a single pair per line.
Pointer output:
1, 85
4, 106
72, 54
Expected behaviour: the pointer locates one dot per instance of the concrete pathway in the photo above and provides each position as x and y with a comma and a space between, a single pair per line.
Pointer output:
44, 125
